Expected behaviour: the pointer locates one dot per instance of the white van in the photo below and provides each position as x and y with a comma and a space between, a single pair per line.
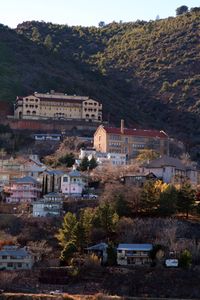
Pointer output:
173, 263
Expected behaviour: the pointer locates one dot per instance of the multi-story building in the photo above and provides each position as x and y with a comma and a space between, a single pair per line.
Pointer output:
171, 170
133, 254
26, 189
73, 183
57, 106
130, 141
15, 258
50, 205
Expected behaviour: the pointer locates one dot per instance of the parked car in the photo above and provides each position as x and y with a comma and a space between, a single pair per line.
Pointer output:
171, 263
56, 292
92, 196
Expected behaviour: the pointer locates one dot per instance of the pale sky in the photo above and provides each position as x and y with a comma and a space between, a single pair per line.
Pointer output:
87, 12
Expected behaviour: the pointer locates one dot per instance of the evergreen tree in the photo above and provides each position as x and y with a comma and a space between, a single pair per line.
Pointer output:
111, 255
150, 195
35, 35
186, 198
48, 42
67, 253
53, 183
80, 236
67, 160
121, 205
185, 260
168, 201
68, 231
84, 164
181, 10
46, 185
92, 163
106, 218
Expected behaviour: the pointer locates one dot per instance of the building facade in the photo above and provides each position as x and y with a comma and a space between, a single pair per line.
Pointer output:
15, 258
50, 206
171, 170
133, 254
73, 183
26, 189
57, 106
130, 141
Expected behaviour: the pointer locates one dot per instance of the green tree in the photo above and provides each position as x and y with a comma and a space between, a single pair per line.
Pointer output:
35, 35
68, 160
92, 163
48, 42
67, 253
68, 231
87, 218
80, 236
146, 155
121, 205
186, 198
111, 255
181, 10
168, 201
106, 218
165, 87
101, 24
149, 196
185, 260
84, 164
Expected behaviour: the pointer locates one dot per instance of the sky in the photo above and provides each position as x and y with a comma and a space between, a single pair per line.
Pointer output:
87, 12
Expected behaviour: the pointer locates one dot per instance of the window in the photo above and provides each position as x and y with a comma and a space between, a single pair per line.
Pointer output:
4, 256
19, 265
65, 179
9, 265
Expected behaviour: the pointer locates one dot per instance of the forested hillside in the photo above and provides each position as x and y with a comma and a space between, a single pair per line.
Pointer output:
145, 72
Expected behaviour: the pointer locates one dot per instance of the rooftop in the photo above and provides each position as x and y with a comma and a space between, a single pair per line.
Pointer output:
26, 179
13, 251
137, 132
166, 161
135, 247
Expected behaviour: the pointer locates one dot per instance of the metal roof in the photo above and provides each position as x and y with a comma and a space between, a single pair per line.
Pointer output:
100, 247
26, 179
13, 251
135, 247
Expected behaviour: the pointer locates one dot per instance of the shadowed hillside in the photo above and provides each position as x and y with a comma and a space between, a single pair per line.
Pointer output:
145, 72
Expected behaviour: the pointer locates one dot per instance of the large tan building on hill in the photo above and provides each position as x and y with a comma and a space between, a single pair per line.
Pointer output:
130, 141
58, 106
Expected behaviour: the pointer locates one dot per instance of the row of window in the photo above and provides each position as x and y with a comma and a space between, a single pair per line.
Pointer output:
90, 109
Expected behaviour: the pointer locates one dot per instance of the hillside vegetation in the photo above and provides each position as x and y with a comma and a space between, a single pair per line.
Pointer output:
145, 72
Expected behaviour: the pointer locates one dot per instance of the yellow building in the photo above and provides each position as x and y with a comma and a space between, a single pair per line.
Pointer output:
58, 106
130, 141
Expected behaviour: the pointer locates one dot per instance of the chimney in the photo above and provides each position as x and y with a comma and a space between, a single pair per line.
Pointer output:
122, 126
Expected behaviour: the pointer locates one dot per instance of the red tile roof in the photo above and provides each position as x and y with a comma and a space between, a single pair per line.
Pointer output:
137, 132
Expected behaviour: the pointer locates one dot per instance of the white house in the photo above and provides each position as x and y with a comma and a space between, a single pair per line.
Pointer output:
171, 170
50, 206
73, 183
15, 258
113, 159
133, 254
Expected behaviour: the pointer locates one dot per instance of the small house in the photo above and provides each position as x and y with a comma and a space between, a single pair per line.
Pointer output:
15, 258
133, 254
100, 250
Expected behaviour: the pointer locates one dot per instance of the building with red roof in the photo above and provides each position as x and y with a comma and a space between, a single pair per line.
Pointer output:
130, 141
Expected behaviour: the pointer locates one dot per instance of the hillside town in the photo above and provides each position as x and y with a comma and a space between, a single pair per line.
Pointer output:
117, 199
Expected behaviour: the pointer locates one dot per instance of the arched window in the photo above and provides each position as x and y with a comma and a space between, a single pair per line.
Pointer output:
28, 112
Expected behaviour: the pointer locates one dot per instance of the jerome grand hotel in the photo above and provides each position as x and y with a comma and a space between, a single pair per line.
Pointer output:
41, 106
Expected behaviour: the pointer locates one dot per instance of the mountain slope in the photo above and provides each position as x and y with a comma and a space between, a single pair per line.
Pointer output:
145, 72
